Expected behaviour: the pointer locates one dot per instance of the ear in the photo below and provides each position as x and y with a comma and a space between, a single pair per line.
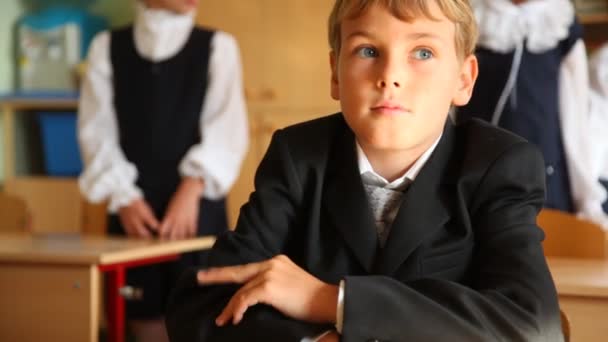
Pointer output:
468, 75
333, 62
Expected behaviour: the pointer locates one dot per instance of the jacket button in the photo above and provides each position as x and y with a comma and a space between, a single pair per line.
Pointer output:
373, 340
550, 170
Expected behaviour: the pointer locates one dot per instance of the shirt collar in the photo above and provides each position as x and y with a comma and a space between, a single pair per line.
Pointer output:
370, 177
541, 24
160, 34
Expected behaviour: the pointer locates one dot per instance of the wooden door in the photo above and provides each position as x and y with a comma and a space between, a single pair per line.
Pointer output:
283, 47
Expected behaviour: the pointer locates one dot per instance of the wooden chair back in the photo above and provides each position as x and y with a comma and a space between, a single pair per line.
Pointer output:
569, 236
55, 204
14, 215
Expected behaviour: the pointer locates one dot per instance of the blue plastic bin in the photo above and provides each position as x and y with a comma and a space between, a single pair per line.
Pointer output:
61, 153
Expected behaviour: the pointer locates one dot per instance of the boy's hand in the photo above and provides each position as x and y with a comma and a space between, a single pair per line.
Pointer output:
181, 218
138, 219
277, 282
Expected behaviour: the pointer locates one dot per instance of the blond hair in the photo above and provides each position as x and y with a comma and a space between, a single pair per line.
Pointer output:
457, 11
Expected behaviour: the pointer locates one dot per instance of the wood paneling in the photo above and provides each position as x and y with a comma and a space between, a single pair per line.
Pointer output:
285, 58
283, 47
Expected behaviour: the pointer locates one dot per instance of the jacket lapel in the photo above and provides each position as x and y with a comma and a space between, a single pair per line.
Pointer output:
345, 199
424, 208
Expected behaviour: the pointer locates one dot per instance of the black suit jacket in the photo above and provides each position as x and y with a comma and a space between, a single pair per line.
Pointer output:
463, 261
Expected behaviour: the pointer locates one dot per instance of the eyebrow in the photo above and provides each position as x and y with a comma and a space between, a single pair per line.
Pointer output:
360, 34
421, 35
411, 36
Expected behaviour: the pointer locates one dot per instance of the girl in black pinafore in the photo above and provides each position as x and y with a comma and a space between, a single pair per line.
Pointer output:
163, 130
532, 81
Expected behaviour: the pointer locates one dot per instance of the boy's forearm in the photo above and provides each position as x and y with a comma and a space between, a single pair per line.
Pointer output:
325, 304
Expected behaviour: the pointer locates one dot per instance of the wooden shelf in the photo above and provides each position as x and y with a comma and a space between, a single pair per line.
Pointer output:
17, 104
591, 19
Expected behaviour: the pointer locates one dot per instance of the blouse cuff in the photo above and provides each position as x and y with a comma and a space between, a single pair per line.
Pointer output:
191, 167
124, 197
593, 212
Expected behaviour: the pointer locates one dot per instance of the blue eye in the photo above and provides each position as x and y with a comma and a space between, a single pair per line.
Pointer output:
423, 54
367, 52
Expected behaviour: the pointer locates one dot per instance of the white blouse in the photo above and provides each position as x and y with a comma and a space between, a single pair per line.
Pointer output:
598, 70
598, 76
160, 35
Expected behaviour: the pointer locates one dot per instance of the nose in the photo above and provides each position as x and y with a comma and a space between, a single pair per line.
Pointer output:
383, 83
390, 74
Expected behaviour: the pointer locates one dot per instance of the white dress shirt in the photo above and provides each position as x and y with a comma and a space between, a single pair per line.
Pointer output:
160, 35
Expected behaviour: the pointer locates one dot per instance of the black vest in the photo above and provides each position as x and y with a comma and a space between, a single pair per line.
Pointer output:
158, 107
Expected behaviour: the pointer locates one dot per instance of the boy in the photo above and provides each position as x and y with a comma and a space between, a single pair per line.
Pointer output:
163, 130
386, 220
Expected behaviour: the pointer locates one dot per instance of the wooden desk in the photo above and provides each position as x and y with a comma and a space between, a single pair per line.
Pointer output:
10, 105
582, 285
49, 284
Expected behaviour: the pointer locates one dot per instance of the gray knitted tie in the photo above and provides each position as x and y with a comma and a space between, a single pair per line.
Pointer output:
385, 205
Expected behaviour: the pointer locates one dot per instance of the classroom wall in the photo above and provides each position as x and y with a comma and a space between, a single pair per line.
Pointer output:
117, 12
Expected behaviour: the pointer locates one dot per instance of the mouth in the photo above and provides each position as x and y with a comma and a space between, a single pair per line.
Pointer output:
389, 108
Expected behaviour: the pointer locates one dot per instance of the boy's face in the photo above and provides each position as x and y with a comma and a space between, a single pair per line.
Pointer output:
177, 6
396, 80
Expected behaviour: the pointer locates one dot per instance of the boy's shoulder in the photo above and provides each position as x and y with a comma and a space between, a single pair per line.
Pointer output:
484, 132
474, 142
479, 144
313, 139
315, 131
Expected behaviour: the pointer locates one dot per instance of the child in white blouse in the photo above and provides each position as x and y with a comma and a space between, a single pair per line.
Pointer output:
163, 131
534, 82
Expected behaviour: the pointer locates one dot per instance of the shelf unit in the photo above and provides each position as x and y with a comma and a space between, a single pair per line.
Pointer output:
11, 106
54, 203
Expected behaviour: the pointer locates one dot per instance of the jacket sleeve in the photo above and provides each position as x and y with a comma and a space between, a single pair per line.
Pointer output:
511, 296
261, 233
